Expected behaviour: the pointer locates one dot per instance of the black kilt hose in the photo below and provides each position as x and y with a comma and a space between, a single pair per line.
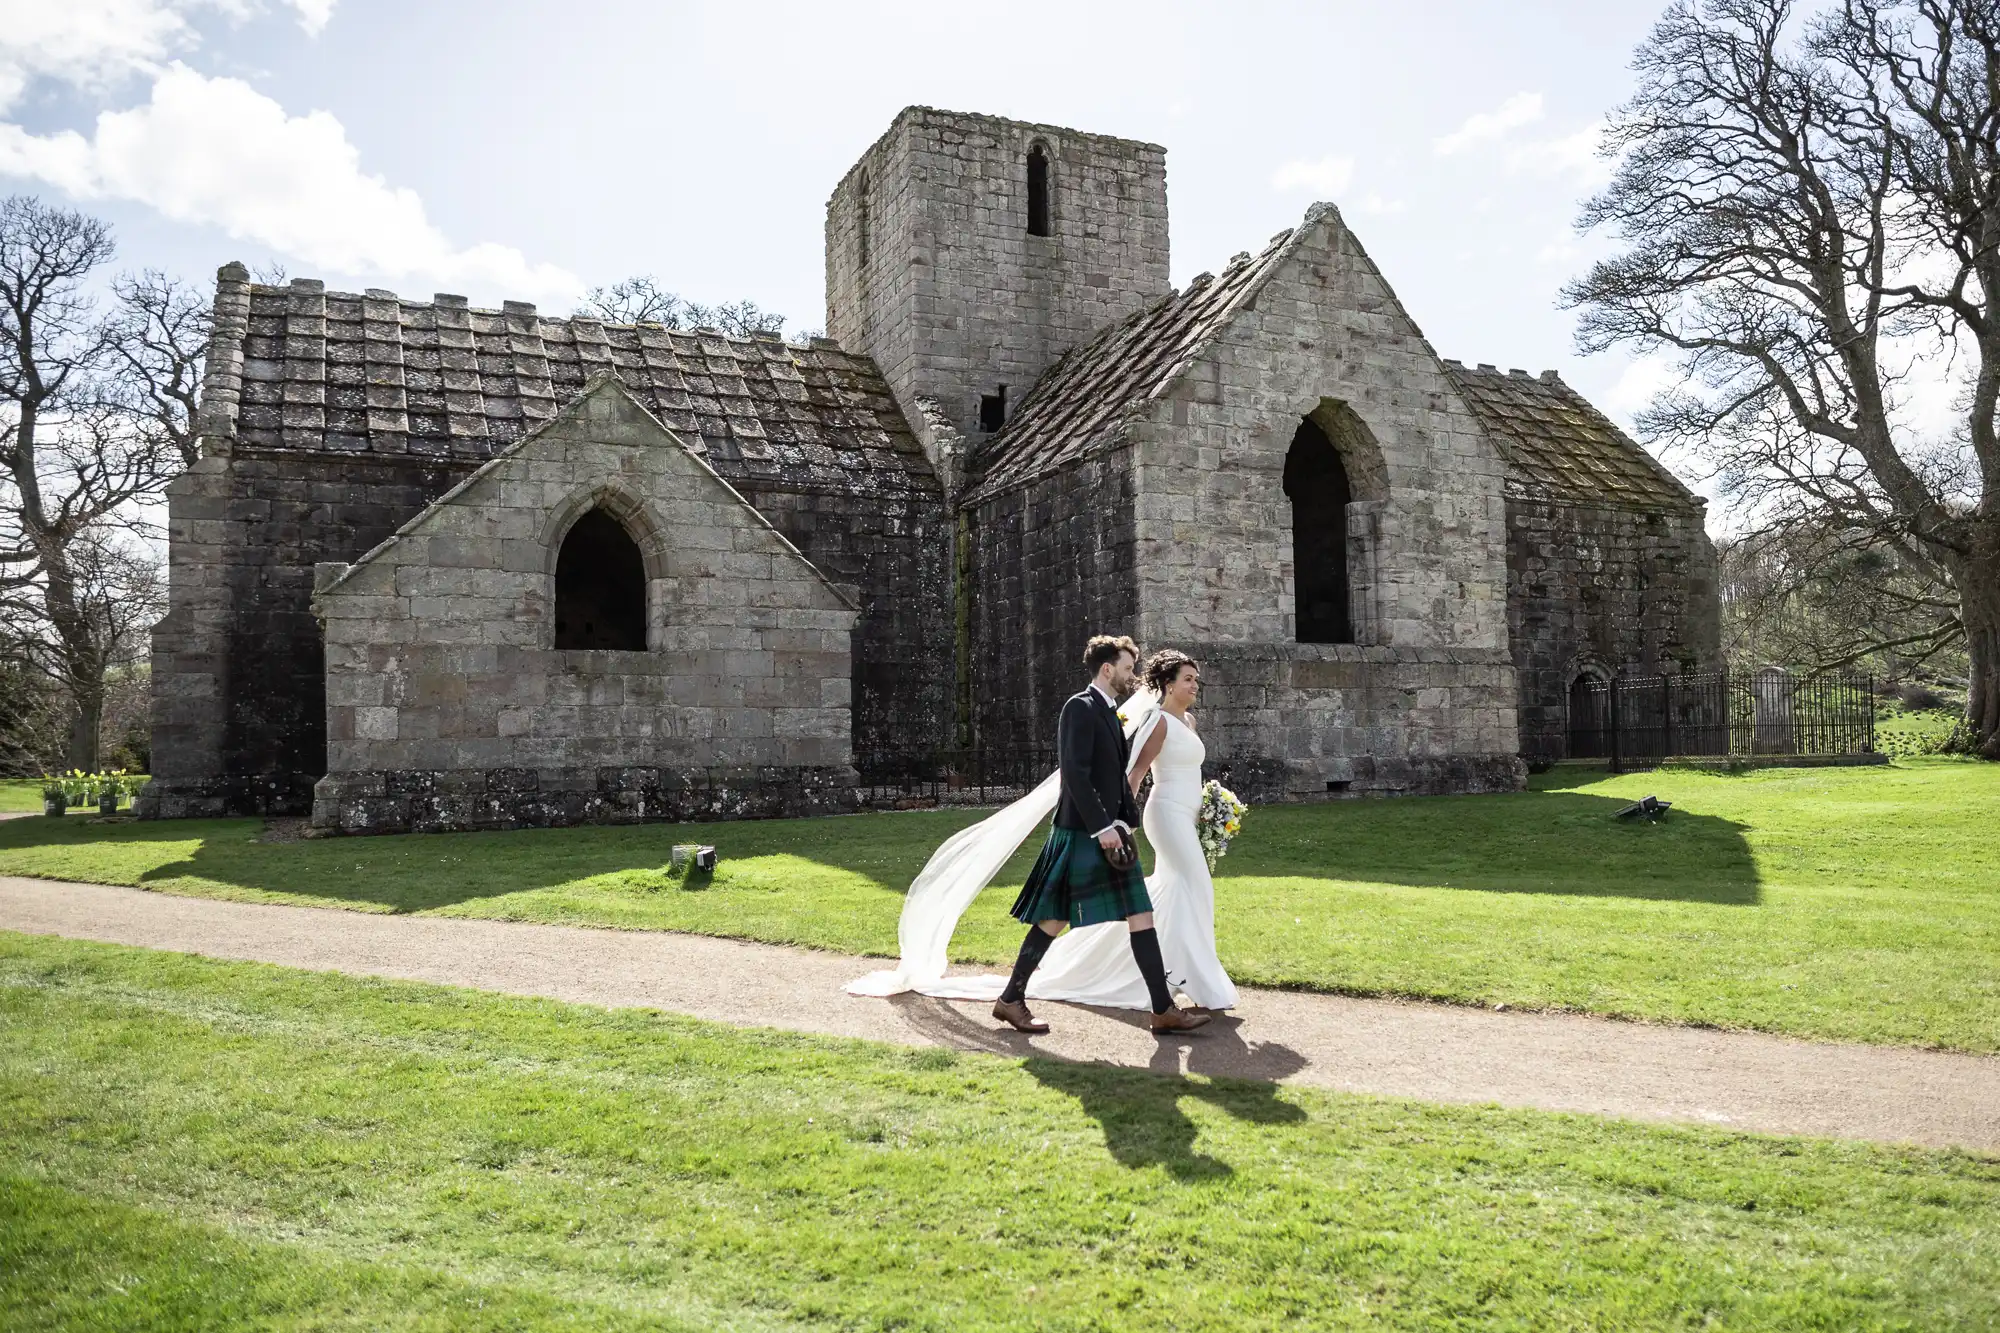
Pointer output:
1072, 881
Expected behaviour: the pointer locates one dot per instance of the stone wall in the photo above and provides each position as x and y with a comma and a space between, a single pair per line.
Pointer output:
1425, 699
1605, 590
239, 703
1050, 565
955, 297
893, 553
448, 706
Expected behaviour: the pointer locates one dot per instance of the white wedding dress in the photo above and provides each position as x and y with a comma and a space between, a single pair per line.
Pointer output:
1093, 964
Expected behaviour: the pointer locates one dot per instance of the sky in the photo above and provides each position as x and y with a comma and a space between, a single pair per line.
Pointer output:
531, 151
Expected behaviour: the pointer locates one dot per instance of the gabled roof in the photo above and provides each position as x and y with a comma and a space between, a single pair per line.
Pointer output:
334, 372
634, 410
1556, 445
1085, 398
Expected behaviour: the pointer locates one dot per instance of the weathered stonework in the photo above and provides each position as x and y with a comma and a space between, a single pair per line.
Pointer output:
1051, 563
1470, 540
329, 419
1609, 567
949, 294
448, 704
1601, 590
1424, 700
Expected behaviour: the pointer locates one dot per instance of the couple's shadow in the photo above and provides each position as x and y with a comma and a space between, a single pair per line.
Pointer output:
1140, 1109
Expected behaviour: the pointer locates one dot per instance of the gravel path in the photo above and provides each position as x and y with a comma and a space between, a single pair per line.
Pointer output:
1435, 1052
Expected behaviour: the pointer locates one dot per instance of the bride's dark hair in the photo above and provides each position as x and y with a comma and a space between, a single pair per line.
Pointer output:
1163, 667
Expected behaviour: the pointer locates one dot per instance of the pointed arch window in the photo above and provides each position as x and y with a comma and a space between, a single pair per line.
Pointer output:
1038, 190
1316, 482
600, 586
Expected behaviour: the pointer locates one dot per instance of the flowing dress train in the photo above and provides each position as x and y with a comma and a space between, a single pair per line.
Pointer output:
1093, 965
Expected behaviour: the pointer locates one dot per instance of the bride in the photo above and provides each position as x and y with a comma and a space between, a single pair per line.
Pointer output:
1091, 964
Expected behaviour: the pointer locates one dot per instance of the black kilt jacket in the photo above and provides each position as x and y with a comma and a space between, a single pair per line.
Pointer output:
1091, 752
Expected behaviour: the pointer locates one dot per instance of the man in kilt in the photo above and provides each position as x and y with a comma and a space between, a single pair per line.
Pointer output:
1089, 869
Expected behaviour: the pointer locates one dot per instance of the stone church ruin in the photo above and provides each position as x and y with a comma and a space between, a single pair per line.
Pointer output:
442, 567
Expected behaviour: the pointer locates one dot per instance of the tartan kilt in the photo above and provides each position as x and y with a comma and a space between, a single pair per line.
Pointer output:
1073, 882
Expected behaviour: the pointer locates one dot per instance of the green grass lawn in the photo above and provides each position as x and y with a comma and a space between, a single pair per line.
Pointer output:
193, 1144
26, 794
1858, 904
20, 794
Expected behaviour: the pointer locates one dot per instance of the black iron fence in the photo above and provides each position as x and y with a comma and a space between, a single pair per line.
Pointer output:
978, 776
1644, 719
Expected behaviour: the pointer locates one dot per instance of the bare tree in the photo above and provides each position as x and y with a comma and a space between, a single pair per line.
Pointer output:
1827, 599
159, 333
93, 416
642, 300
1810, 210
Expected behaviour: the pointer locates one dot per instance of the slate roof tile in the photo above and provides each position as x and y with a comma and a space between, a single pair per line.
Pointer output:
1557, 445
1553, 441
1083, 400
340, 372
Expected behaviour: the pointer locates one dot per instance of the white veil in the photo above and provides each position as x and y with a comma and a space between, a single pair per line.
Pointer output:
967, 863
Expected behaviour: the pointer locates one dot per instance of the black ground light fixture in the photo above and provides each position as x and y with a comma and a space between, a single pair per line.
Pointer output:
1651, 807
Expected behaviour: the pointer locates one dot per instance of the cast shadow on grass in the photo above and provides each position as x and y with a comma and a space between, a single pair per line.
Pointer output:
1558, 842
419, 872
1546, 841
1139, 1110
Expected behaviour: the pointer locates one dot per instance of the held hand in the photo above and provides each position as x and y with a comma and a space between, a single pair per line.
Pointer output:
1109, 839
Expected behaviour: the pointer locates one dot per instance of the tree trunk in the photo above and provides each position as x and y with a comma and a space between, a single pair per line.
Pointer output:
86, 720
1979, 587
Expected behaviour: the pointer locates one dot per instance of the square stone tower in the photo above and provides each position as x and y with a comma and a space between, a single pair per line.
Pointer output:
965, 253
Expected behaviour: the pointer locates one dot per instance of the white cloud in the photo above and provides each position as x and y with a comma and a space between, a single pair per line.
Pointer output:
313, 14
1485, 126
96, 44
1379, 207
1570, 155
217, 152
1326, 177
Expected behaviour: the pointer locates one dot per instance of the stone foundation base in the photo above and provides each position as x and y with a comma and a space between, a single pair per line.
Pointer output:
1266, 781
215, 798
502, 798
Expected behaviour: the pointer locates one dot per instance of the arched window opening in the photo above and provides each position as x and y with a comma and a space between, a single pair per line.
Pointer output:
1317, 484
600, 587
1038, 191
862, 219
1589, 717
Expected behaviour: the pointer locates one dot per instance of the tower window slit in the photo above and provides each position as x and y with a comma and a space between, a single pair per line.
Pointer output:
1038, 191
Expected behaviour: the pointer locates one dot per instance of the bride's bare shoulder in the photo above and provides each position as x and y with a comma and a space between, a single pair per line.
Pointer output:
1190, 721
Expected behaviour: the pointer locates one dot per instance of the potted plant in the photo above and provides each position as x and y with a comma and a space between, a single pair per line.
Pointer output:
109, 789
55, 799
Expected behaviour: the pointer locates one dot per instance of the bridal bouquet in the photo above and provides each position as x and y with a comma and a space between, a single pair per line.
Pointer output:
1221, 818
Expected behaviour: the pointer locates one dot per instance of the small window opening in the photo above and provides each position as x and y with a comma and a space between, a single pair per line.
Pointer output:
600, 587
1038, 191
862, 219
993, 409
1339, 784
1317, 484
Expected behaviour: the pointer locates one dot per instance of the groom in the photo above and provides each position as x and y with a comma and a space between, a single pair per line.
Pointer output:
1089, 869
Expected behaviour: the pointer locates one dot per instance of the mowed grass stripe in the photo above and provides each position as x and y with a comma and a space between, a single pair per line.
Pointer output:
416, 1147
1851, 904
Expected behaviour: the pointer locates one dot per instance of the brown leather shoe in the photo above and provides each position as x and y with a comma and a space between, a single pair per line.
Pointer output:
1179, 1020
1015, 1014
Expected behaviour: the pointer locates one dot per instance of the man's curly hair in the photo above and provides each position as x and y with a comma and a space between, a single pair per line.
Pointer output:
1106, 648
